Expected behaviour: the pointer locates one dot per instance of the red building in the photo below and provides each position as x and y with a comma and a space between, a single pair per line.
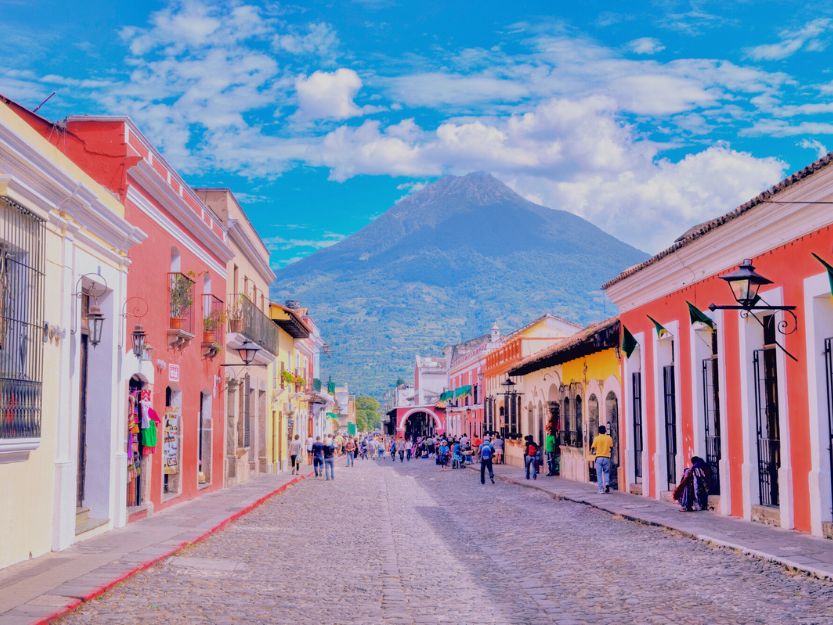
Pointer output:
176, 285
750, 391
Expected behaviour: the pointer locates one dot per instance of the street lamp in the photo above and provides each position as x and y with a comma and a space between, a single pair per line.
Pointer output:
745, 283
247, 352
138, 337
95, 322
509, 408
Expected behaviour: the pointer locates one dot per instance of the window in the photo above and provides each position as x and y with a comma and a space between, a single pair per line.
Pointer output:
711, 415
670, 395
592, 419
636, 394
766, 416
579, 416
21, 321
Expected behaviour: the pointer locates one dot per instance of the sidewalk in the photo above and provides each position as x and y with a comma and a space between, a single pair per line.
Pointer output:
42, 589
801, 552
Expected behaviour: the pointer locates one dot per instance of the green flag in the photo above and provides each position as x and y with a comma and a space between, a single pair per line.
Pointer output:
661, 329
827, 266
628, 341
695, 314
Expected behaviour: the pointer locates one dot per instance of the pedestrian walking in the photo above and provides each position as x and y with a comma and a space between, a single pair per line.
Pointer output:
486, 453
498, 448
531, 457
380, 450
393, 450
549, 450
295, 449
401, 449
601, 447
409, 449
442, 454
310, 441
317, 452
329, 459
350, 448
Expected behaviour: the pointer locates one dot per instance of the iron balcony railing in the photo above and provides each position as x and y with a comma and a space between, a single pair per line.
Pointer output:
212, 318
181, 301
247, 319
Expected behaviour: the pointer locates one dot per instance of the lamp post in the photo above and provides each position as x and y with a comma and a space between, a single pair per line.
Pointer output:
510, 398
745, 283
95, 322
247, 352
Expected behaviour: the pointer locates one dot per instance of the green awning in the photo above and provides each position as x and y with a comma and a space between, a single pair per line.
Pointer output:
695, 314
446, 395
332, 415
462, 391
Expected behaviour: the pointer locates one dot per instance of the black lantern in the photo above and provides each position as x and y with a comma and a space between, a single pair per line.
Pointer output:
745, 283
95, 321
247, 352
138, 340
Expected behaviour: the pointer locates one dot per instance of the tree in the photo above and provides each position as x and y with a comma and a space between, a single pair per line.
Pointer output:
368, 413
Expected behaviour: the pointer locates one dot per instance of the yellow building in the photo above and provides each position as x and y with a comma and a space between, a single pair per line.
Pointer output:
572, 388
291, 383
63, 270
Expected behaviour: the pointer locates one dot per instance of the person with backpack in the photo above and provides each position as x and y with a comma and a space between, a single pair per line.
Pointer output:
531, 457
486, 454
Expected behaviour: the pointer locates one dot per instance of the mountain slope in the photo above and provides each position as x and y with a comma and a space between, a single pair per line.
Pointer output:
441, 266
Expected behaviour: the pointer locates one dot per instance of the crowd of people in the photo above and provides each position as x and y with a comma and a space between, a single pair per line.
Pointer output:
456, 452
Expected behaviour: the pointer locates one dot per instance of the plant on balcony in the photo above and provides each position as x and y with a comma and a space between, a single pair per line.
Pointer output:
300, 381
234, 312
210, 324
287, 377
182, 297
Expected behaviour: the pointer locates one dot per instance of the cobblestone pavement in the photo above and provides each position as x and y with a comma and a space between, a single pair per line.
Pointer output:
410, 544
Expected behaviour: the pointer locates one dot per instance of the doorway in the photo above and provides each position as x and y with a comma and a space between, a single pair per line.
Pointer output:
419, 424
81, 476
135, 452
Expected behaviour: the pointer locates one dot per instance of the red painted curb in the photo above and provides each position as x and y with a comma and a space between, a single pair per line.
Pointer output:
74, 605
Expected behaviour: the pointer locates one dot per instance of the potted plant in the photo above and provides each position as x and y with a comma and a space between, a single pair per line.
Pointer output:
182, 296
234, 313
210, 325
300, 381
287, 377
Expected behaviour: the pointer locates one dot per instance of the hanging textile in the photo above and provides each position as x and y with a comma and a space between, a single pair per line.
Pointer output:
697, 315
629, 343
662, 331
827, 266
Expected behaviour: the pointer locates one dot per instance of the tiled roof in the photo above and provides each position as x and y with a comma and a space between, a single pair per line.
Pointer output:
704, 228
580, 344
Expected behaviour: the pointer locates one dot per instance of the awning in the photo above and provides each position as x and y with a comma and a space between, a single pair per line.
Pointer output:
332, 415
462, 391
446, 395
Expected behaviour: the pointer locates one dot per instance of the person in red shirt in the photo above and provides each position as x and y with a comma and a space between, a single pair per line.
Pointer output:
531, 457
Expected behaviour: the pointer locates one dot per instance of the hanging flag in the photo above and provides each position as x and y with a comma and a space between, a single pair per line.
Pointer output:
827, 266
695, 314
661, 329
628, 341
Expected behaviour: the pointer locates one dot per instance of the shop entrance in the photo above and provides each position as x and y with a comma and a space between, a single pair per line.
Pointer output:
82, 426
135, 451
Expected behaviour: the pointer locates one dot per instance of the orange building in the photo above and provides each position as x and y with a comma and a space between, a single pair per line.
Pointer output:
746, 385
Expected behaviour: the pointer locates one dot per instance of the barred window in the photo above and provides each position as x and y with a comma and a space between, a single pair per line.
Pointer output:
21, 321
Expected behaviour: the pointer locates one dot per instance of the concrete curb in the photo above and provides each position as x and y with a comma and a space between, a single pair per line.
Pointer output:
74, 605
710, 540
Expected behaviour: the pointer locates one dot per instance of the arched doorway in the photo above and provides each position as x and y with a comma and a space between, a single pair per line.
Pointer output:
612, 419
419, 424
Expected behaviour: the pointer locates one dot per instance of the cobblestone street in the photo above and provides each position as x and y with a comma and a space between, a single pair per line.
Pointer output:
411, 544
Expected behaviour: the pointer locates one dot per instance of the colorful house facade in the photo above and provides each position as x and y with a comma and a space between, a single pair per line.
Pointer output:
175, 382
748, 390
503, 402
245, 317
571, 389
64, 244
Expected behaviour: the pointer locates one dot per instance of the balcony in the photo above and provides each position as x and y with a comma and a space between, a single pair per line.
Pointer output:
181, 309
247, 321
213, 317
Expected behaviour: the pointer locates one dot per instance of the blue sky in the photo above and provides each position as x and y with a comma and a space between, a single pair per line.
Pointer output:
643, 117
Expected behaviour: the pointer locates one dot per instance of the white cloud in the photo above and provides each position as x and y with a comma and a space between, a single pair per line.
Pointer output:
781, 128
814, 144
645, 45
329, 95
438, 88
809, 38
319, 39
